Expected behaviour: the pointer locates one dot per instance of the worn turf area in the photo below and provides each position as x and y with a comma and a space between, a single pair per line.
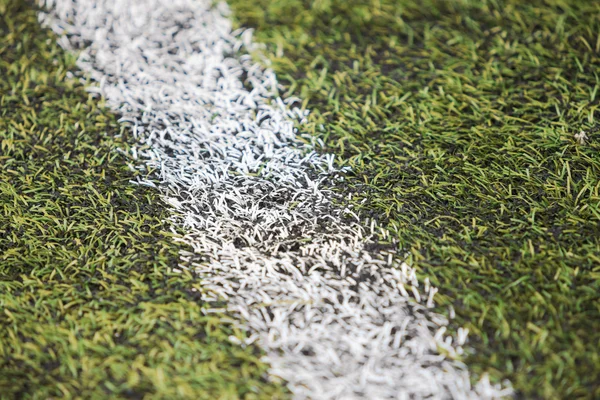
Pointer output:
88, 307
458, 119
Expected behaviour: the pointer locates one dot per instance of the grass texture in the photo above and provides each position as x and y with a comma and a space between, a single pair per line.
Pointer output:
458, 118
88, 305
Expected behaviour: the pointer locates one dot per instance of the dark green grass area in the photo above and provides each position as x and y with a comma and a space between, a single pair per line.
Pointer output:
88, 307
458, 119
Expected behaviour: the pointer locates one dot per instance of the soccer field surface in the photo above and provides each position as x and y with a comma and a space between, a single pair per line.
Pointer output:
179, 231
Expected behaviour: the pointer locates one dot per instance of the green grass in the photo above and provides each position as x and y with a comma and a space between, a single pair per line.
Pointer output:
88, 305
458, 120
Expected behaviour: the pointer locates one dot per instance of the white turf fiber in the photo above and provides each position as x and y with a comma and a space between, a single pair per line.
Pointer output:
338, 315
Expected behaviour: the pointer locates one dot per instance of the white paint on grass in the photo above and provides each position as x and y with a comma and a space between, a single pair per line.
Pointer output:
338, 315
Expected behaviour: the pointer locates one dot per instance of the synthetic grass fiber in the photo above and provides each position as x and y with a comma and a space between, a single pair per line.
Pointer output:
458, 119
336, 310
88, 305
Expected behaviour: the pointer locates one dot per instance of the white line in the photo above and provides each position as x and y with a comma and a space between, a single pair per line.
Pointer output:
338, 315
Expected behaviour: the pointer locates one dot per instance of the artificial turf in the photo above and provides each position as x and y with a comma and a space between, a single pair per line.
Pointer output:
458, 118
89, 304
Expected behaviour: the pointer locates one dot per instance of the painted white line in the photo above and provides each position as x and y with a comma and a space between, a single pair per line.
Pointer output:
337, 313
